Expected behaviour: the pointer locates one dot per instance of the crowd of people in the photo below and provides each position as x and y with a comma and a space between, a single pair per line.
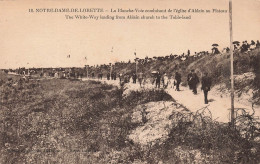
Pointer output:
163, 81
243, 48
158, 79
246, 46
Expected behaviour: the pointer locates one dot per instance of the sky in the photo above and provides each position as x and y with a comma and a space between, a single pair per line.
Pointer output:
41, 39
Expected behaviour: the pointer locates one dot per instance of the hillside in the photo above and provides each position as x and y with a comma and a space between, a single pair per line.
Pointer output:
68, 121
246, 71
217, 65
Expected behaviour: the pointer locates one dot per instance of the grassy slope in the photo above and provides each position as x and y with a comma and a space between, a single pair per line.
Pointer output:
67, 122
218, 66
76, 122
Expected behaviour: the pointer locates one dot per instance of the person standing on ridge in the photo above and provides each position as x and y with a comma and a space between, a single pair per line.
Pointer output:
257, 44
188, 53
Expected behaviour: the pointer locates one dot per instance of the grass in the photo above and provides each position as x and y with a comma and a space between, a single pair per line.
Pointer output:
63, 121
70, 121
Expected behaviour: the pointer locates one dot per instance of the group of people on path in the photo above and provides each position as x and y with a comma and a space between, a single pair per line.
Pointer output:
135, 77
166, 81
206, 82
112, 76
192, 80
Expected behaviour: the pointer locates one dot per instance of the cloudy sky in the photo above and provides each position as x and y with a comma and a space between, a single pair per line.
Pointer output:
46, 39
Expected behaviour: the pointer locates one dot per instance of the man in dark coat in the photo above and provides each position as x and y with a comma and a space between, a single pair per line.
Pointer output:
101, 75
189, 78
158, 79
114, 76
193, 81
205, 86
134, 78
178, 80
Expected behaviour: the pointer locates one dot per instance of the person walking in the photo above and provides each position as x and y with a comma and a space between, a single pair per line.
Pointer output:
189, 79
193, 81
120, 77
127, 78
134, 78
178, 80
171, 82
140, 78
114, 75
158, 79
205, 86
165, 81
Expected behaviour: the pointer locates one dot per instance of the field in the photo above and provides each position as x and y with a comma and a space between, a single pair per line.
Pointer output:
70, 121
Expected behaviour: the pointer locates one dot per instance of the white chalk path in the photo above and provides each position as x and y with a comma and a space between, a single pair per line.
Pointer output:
219, 107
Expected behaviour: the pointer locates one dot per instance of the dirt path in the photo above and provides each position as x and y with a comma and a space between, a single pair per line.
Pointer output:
218, 106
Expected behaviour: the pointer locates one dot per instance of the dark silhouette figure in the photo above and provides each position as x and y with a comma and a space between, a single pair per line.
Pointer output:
188, 53
193, 81
158, 79
257, 44
178, 80
134, 78
215, 50
114, 76
206, 84
188, 79
227, 50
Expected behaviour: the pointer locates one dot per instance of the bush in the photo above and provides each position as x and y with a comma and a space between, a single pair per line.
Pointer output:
144, 96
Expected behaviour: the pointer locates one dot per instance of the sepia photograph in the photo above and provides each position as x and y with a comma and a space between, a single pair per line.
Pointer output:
130, 82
